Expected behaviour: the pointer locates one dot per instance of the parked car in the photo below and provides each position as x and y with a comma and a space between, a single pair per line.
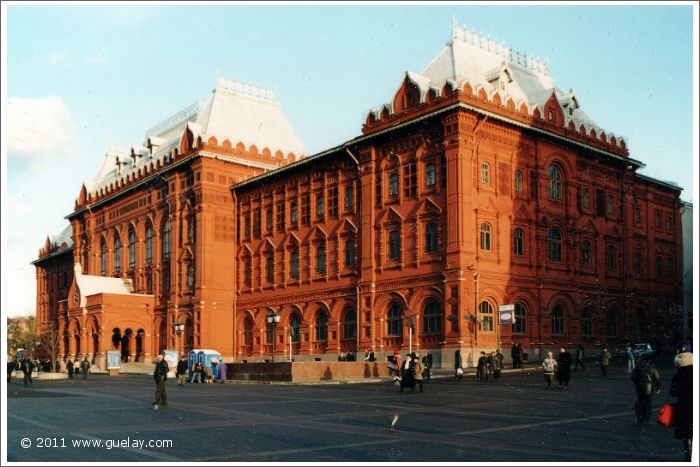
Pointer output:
643, 349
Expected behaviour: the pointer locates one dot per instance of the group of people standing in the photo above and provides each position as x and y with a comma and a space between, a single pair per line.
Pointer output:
489, 366
411, 371
27, 366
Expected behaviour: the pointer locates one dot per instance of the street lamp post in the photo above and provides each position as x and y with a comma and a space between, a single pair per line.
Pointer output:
411, 322
179, 327
272, 320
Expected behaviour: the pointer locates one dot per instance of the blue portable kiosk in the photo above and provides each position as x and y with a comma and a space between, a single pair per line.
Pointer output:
203, 356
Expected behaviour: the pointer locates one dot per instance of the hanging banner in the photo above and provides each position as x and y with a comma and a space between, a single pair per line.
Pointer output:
505, 314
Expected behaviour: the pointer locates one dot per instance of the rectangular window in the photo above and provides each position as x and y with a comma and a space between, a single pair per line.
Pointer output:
431, 240
518, 181
443, 172
321, 260
658, 267
349, 197
256, 223
378, 189
293, 214
611, 205
281, 214
638, 263
190, 276
637, 216
268, 219
191, 224
270, 268
610, 258
305, 209
600, 202
670, 272
395, 245
333, 201
669, 223
393, 185
409, 179
248, 274
246, 228
166, 279
657, 219
585, 198
294, 265
320, 206
350, 253
430, 175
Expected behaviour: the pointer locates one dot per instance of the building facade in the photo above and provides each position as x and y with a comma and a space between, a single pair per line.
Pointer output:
480, 184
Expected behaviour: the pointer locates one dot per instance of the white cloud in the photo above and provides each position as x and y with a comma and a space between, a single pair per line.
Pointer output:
39, 127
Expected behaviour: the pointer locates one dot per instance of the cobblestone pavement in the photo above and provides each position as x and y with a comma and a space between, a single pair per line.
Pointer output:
516, 419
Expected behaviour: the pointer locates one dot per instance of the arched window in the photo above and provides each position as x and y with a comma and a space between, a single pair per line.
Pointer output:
587, 321
117, 255
132, 248
394, 184
518, 181
610, 257
103, 257
611, 323
519, 319
558, 320
349, 324
485, 173
295, 324
554, 245
165, 235
586, 253
149, 243
431, 237
555, 183
430, 175
394, 325
485, 236
322, 326
485, 316
248, 326
395, 245
432, 318
518, 240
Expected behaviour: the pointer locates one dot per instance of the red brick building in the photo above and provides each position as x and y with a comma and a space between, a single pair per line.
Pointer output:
480, 184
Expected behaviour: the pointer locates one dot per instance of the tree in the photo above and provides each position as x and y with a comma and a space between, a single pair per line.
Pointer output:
49, 343
21, 334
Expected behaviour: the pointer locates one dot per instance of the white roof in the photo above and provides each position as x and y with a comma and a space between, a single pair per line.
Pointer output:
93, 285
236, 111
483, 63
63, 237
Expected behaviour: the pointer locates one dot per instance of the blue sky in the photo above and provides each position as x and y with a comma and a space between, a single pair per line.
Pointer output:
80, 78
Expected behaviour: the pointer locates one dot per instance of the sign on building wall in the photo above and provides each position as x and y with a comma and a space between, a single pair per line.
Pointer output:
505, 314
114, 361
171, 357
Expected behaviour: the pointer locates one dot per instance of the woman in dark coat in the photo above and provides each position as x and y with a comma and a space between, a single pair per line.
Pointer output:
563, 368
682, 387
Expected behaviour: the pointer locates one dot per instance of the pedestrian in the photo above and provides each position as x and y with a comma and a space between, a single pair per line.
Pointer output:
222, 371
418, 368
181, 372
62, 366
208, 374
369, 355
481, 367
10, 368
85, 367
563, 368
341, 357
497, 364
580, 355
195, 373
514, 355
458, 365
76, 366
605, 357
646, 381
27, 367
69, 368
427, 362
408, 374
350, 357
549, 364
630, 359
682, 388
160, 374
521, 355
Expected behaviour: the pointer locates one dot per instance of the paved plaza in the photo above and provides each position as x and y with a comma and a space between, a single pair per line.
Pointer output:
516, 419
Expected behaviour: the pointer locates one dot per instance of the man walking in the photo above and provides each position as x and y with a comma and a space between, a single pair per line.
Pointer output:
580, 354
605, 357
563, 368
181, 372
27, 367
160, 374
514, 355
85, 367
69, 368
646, 382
